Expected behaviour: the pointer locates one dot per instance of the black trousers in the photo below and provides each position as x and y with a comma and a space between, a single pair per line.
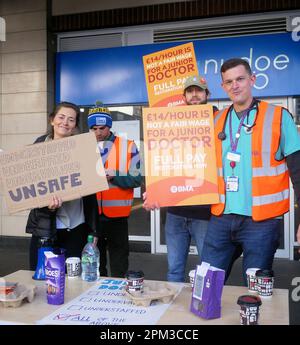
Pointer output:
113, 237
72, 241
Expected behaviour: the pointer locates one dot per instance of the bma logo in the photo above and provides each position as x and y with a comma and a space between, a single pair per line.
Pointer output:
296, 29
2, 29
181, 189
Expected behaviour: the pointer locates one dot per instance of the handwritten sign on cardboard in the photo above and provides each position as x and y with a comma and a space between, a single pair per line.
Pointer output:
69, 168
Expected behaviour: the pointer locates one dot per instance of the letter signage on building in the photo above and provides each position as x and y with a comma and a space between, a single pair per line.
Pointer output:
116, 75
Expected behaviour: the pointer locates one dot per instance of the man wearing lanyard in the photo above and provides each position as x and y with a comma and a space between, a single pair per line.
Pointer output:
258, 149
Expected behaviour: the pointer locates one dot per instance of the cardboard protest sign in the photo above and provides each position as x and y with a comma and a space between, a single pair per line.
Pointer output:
180, 159
69, 167
165, 73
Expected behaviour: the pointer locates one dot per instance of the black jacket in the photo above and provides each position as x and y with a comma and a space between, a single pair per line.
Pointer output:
42, 222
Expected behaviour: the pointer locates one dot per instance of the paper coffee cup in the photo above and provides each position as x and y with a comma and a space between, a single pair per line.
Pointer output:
192, 277
134, 281
249, 309
251, 279
265, 282
73, 267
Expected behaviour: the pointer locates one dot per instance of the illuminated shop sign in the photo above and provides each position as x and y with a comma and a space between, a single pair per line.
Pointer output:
116, 75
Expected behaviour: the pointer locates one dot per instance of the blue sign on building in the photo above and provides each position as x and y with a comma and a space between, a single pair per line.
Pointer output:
116, 75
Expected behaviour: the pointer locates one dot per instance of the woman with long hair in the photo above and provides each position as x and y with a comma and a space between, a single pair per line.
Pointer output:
63, 224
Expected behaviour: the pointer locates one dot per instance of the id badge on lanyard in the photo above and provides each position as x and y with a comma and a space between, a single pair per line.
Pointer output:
232, 184
233, 156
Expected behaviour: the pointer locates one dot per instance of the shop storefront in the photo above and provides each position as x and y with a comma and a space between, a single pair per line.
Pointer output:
114, 76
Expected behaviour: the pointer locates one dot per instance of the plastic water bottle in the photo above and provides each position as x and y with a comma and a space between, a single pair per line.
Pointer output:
90, 260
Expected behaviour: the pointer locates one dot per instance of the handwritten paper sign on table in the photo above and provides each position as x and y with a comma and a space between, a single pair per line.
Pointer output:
105, 303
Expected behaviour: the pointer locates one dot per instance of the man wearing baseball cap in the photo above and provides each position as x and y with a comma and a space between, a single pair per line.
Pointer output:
185, 222
196, 91
121, 161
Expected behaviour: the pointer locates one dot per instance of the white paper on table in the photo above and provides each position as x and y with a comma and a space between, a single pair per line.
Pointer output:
105, 303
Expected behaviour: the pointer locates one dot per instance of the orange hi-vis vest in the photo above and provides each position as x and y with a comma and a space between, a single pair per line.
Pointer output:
270, 178
115, 201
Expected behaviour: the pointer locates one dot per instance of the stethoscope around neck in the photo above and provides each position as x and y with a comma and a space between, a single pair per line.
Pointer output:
247, 128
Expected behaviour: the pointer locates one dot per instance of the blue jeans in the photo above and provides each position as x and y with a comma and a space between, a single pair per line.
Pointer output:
179, 231
259, 241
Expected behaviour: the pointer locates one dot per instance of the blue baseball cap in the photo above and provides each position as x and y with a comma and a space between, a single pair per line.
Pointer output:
99, 116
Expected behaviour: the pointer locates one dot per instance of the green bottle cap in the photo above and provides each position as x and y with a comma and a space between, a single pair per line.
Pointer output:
90, 238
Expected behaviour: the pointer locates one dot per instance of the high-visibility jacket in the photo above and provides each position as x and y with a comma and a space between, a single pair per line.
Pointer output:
115, 201
270, 178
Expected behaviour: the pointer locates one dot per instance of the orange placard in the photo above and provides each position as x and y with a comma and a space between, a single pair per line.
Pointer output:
180, 159
166, 72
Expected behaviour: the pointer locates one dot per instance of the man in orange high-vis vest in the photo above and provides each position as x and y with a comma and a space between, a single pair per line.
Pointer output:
121, 161
258, 149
